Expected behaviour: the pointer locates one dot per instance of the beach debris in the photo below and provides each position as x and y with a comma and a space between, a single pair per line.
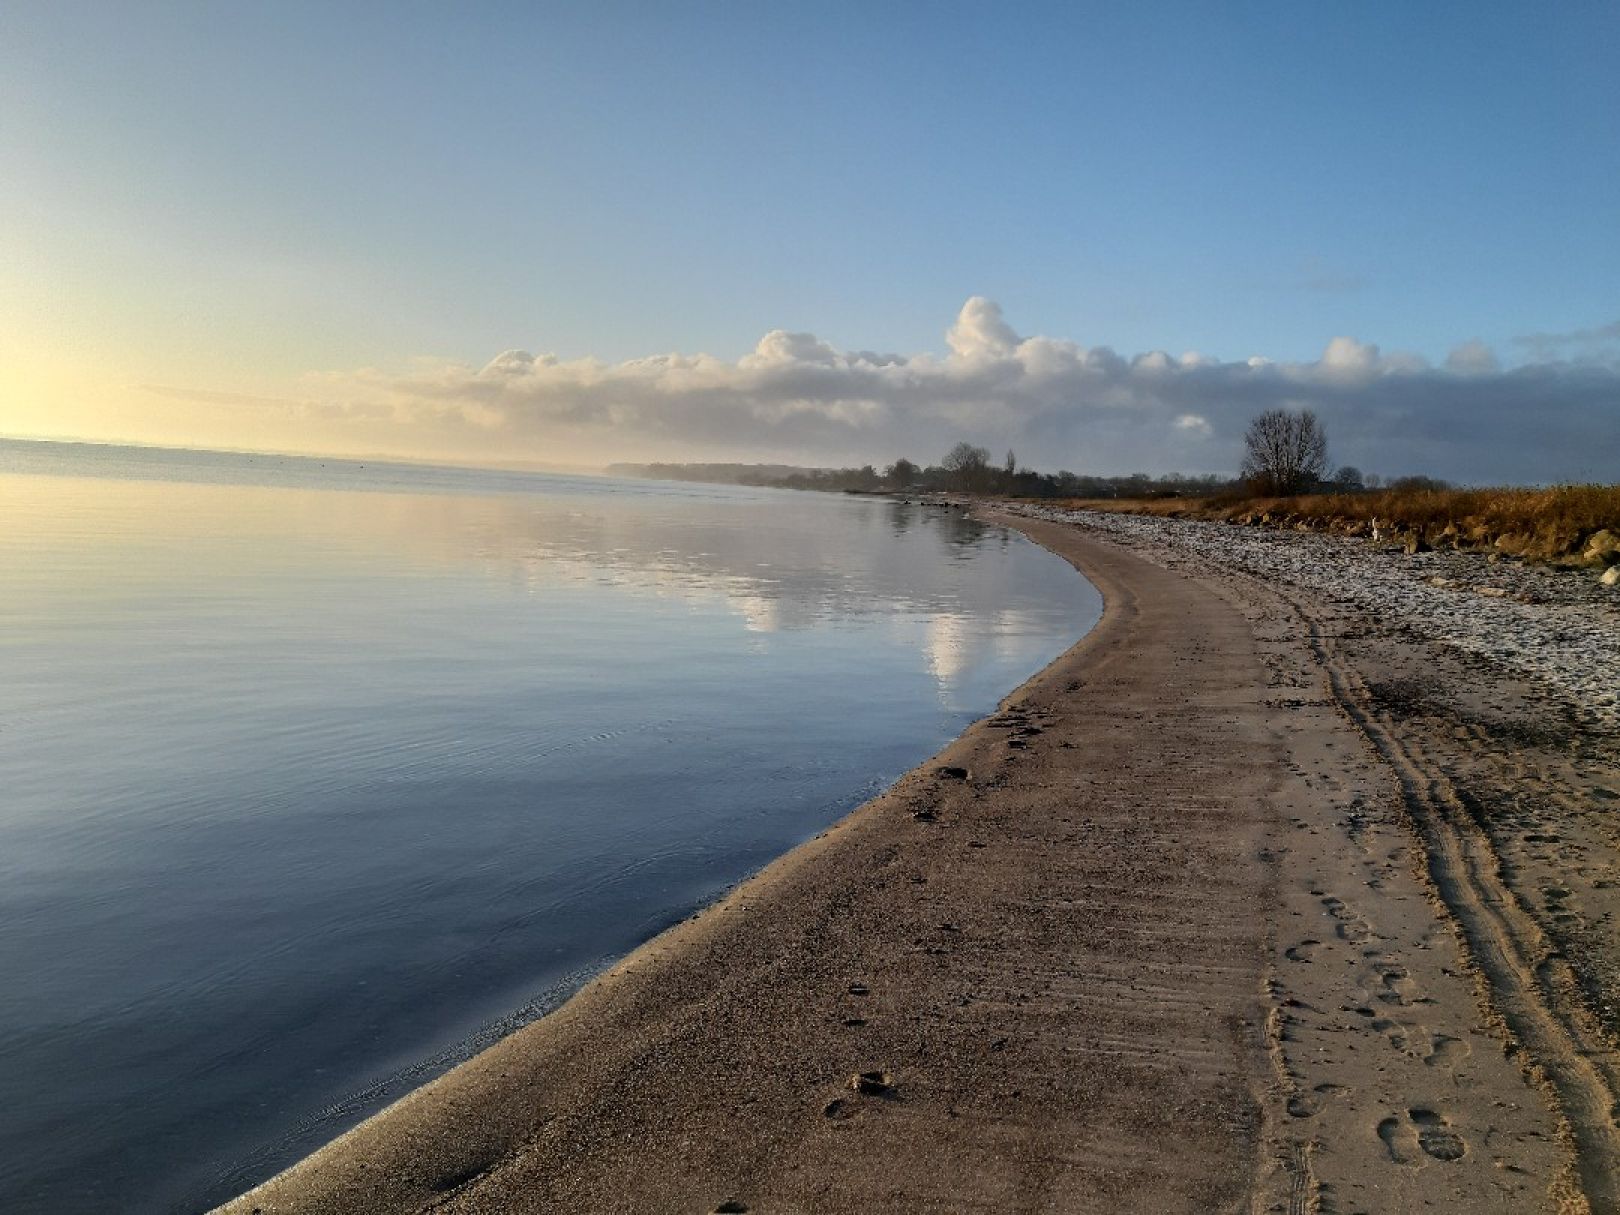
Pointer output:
859, 989
925, 815
837, 1108
872, 1084
950, 772
731, 1206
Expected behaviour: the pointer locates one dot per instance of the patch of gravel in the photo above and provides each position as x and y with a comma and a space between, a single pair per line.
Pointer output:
1559, 628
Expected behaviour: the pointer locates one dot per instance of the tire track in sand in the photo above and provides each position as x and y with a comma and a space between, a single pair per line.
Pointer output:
1513, 955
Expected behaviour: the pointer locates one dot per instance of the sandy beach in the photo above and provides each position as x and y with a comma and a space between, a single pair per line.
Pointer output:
1269, 895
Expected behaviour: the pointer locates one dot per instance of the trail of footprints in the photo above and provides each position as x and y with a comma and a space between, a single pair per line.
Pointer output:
1383, 986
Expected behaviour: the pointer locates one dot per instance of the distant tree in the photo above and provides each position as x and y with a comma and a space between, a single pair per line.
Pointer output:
901, 473
1349, 478
1285, 453
1413, 485
967, 466
1010, 464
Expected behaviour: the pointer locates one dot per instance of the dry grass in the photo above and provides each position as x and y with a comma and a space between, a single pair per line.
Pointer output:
1578, 510
1548, 524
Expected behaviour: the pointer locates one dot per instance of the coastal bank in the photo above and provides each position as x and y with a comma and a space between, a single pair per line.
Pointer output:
1193, 923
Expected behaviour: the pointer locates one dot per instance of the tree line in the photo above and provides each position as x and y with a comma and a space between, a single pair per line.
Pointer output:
1285, 453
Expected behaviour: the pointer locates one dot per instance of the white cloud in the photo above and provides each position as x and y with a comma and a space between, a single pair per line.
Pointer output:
980, 333
798, 398
778, 347
1347, 357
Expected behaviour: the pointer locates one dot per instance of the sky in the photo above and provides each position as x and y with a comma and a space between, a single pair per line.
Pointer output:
1102, 235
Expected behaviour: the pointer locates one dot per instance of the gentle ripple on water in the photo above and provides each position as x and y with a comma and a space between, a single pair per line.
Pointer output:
319, 775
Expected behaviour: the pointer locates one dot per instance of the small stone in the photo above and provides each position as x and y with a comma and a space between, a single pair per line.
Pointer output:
872, 1084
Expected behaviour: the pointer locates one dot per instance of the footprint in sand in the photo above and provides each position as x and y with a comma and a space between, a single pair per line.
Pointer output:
838, 1109
1304, 1105
1396, 984
1399, 1035
1308, 1105
1446, 1051
1301, 952
872, 1084
1436, 1137
1421, 1130
1350, 927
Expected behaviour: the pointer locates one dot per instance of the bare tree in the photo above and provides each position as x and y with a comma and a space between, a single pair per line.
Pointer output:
968, 466
1285, 453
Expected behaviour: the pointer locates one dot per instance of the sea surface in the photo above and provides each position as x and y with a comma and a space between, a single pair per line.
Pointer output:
316, 776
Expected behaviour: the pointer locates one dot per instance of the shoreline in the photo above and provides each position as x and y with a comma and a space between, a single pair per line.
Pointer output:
1073, 979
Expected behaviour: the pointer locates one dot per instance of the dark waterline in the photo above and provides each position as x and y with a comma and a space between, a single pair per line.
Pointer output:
310, 792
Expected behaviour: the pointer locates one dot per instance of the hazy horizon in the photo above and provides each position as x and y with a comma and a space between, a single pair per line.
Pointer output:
566, 239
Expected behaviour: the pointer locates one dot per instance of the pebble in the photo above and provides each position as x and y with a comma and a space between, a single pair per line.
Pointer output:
1558, 628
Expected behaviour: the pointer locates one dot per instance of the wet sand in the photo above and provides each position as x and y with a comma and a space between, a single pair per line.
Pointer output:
1194, 923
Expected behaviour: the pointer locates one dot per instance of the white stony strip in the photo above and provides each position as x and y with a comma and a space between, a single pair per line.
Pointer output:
1559, 628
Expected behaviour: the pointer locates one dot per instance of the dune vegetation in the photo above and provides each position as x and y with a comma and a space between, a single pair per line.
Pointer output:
1567, 524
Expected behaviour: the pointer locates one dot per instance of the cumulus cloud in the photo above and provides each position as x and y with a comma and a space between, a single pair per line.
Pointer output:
1062, 404
980, 332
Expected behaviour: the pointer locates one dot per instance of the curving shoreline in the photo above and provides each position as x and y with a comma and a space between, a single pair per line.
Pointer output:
1122, 965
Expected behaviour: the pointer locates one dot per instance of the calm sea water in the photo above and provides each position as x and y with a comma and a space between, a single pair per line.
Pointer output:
316, 776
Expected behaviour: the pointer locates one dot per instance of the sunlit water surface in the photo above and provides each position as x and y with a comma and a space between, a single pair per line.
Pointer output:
317, 776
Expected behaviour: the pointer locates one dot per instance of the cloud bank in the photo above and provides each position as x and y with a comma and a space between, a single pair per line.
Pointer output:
1060, 404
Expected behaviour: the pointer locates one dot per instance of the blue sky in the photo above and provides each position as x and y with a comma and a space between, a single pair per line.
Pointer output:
265, 201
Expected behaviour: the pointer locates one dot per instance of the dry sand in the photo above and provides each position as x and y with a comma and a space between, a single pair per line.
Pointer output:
1207, 918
